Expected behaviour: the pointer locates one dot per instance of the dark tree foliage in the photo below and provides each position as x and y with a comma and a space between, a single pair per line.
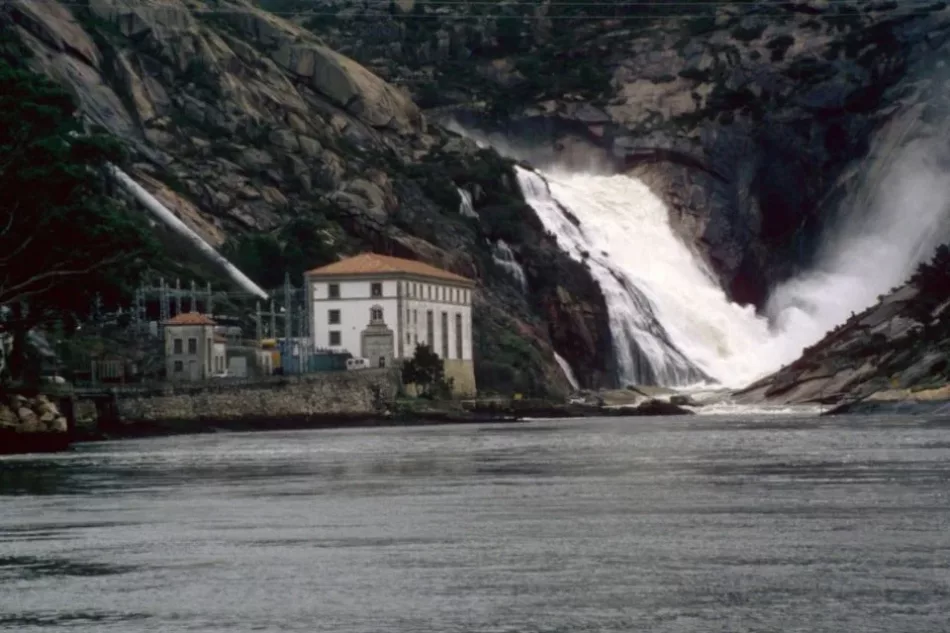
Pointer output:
299, 246
426, 371
63, 238
932, 279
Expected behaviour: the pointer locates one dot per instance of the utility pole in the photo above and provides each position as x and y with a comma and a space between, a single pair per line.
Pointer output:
178, 296
209, 305
288, 307
194, 297
257, 324
163, 301
273, 321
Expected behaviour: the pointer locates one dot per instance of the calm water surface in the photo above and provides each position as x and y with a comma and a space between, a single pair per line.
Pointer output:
685, 525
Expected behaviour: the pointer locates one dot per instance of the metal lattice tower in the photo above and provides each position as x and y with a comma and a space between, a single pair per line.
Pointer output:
163, 301
288, 307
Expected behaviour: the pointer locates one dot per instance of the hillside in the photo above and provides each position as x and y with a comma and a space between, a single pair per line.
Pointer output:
895, 351
756, 121
290, 132
285, 155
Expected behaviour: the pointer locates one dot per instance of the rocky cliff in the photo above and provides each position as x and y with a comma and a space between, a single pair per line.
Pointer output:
759, 123
753, 120
250, 127
895, 351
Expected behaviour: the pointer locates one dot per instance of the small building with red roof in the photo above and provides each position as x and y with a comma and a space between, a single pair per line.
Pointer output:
190, 350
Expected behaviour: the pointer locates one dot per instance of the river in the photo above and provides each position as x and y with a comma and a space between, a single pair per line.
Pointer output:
698, 524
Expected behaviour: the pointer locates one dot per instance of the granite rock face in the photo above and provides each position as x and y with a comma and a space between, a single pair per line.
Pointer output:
244, 123
753, 121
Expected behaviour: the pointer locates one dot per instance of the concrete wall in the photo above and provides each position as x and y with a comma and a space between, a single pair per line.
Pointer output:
462, 373
342, 393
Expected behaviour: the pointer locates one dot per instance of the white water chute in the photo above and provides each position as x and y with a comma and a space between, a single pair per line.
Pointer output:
169, 219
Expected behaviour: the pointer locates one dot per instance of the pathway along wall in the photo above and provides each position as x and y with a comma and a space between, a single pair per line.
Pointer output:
315, 396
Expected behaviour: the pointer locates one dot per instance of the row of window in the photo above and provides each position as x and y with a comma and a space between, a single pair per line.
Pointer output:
375, 290
437, 293
412, 329
412, 290
177, 346
375, 316
192, 346
412, 337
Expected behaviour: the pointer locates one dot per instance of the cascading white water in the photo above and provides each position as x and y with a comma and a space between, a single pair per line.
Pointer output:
672, 323
466, 208
883, 236
505, 259
568, 372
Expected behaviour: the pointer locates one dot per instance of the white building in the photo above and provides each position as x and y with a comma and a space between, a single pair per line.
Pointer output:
190, 352
380, 308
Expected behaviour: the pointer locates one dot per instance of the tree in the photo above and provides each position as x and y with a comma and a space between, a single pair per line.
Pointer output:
63, 237
426, 371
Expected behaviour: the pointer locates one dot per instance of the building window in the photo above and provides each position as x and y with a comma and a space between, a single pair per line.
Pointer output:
415, 318
333, 317
192, 346
179, 367
375, 314
376, 289
177, 346
333, 291
430, 329
445, 335
408, 338
382, 361
458, 336
334, 338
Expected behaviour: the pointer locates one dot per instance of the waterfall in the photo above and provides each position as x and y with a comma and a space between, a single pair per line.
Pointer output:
169, 219
615, 241
568, 372
671, 321
900, 214
466, 209
505, 259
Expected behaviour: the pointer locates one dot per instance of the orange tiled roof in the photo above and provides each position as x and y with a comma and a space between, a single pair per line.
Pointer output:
190, 318
375, 264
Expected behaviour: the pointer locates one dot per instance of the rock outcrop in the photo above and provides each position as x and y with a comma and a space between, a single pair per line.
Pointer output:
248, 126
31, 424
894, 352
750, 119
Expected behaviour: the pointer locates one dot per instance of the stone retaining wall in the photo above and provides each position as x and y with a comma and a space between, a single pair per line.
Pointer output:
313, 395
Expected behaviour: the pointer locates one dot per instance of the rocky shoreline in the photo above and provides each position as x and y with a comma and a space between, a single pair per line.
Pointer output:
31, 425
439, 415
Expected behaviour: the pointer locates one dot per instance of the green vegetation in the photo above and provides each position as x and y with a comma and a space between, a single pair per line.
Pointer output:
932, 279
306, 242
63, 237
506, 362
426, 371
749, 34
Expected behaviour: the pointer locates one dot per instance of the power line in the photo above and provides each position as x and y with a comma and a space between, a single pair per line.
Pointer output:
923, 8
